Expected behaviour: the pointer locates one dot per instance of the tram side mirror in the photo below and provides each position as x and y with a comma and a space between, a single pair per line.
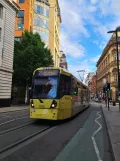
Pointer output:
75, 91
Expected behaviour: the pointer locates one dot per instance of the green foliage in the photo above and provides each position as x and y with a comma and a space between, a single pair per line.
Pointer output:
29, 53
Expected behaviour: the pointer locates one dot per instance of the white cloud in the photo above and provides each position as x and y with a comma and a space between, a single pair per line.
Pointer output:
74, 25
102, 31
83, 65
96, 42
79, 18
71, 48
72, 18
115, 6
103, 44
93, 1
95, 59
110, 7
104, 9
74, 68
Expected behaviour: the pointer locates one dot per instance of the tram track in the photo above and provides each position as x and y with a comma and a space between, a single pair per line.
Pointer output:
15, 128
14, 123
11, 117
12, 111
22, 140
2, 123
17, 143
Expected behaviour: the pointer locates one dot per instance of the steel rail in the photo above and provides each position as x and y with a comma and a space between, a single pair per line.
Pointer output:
15, 128
9, 147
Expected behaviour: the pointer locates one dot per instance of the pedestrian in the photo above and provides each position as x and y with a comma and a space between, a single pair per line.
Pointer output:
105, 98
110, 100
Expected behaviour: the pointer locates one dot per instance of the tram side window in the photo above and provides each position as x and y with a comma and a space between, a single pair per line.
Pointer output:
65, 85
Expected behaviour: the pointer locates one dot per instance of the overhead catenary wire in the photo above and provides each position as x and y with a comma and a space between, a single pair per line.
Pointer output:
52, 33
49, 29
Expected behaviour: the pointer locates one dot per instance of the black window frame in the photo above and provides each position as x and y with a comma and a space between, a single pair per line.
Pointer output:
32, 85
20, 16
65, 88
23, 1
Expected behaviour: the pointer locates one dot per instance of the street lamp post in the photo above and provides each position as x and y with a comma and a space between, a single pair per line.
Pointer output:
116, 32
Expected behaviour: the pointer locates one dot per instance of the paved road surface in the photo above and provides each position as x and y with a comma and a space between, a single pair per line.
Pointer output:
82, 138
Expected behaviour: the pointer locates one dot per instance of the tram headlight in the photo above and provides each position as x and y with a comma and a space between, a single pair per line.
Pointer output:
32, 104
54, 104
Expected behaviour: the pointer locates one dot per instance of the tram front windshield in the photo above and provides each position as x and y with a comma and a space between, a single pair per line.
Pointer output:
45, 87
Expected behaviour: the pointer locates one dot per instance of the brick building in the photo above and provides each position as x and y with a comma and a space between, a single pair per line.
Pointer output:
94, 87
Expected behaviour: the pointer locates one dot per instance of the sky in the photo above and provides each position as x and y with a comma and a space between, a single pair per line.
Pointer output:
84, 28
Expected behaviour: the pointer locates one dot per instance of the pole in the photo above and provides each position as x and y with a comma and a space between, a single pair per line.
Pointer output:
118, 67
108, 100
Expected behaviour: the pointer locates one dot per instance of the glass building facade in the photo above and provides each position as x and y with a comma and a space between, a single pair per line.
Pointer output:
41, 20
41, 10
44, 35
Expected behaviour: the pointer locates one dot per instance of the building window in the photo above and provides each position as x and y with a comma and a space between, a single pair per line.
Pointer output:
17, 38
21, 1
40, 22
115, 56
20, 20
46, 12
1, 11
41, 10
115, 77
44, 35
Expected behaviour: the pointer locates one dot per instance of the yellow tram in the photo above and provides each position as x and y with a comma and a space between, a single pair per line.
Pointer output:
56, 94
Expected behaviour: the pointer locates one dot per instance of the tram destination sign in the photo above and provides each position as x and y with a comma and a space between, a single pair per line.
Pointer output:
49, 72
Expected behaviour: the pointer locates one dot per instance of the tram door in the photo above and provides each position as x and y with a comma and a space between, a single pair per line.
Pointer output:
65, 96
75, 97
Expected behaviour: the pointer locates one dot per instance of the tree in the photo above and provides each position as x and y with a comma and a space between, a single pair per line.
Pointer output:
29, 54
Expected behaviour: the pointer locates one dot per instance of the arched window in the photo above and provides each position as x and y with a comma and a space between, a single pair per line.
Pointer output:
115, 77
115, 56
114, 71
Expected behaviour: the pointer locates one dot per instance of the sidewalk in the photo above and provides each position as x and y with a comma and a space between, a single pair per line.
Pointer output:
112, 118
13, 108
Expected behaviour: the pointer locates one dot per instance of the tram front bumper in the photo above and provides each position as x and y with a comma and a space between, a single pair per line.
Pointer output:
49, 114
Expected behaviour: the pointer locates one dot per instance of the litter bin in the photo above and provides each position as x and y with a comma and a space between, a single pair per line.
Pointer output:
114, 103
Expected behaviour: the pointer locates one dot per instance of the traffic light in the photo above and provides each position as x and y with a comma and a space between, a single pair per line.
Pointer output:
76, 91
108, 86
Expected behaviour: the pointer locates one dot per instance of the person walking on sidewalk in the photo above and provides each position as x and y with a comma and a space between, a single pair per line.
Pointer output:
105, 98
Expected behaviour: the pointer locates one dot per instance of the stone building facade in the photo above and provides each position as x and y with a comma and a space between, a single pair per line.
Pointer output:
63, 61
107, 67
94, 89
8, 10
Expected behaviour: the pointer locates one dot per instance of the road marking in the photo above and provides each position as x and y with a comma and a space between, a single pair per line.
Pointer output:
13, 120
93, 138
